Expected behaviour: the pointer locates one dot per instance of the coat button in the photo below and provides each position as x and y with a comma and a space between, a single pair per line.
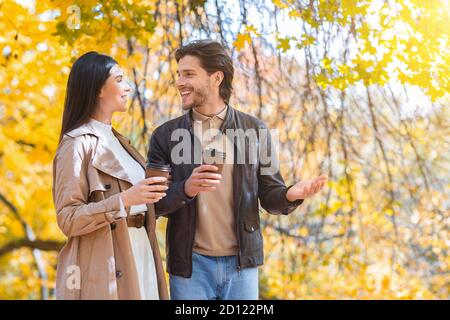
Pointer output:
183, 202
107, 186
118, 274
113, 226
252, 229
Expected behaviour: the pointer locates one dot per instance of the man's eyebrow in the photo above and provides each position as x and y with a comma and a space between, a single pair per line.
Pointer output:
186, 70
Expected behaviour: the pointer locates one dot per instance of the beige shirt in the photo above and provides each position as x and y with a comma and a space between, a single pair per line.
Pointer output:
215, 233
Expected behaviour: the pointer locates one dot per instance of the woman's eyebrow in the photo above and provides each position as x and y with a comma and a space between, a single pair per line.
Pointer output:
118, 76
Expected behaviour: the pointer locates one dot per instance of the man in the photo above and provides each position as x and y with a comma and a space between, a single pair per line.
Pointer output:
214, 243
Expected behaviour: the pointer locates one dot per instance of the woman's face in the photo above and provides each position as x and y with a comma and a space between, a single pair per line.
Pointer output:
114, 94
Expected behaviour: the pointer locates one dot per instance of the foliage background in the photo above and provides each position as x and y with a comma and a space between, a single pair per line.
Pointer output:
358, 89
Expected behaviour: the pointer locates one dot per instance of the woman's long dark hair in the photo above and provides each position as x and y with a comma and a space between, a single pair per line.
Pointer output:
87, 77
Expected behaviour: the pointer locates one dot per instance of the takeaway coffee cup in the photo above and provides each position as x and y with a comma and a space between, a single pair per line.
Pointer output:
214, 157
158, 170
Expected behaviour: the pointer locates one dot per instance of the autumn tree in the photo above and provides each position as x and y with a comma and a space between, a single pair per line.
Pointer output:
356, 89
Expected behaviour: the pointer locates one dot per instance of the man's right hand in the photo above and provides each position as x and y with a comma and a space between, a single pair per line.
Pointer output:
202, 179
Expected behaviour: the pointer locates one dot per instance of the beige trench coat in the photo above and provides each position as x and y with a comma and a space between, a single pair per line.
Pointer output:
97, 261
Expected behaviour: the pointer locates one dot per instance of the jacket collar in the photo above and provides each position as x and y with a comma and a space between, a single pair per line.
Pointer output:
103, 157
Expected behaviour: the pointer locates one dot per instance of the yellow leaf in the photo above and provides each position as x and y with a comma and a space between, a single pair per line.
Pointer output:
241, 40
283, 44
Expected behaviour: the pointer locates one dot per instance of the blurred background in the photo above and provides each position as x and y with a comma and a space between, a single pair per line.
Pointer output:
358, 90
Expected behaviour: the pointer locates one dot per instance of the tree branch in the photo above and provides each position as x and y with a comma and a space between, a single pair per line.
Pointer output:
46, 245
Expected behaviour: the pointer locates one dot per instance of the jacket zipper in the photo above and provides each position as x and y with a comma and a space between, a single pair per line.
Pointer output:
195, 206
238, 234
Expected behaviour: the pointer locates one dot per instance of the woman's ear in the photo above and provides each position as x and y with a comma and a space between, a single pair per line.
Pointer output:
100, 95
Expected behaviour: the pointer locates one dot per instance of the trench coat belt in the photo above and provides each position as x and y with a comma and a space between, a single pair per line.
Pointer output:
136, 220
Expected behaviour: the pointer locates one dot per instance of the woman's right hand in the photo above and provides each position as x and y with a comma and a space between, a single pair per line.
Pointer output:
146, 191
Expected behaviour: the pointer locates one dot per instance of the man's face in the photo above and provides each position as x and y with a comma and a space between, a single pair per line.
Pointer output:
193, 83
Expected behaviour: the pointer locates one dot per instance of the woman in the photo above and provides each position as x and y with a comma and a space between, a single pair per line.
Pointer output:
103, 202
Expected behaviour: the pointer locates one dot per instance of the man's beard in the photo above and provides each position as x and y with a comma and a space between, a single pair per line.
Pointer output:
200, 97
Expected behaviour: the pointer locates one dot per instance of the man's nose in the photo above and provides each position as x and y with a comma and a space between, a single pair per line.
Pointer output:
179, 82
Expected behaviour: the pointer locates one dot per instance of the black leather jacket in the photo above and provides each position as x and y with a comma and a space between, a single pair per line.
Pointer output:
248, 186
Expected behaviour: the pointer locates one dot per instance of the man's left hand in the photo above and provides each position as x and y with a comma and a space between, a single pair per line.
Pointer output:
307, 188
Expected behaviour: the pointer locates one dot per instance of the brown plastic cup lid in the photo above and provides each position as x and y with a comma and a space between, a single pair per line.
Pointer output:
158, 166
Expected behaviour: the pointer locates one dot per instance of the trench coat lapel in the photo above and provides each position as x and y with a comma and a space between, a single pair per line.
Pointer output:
126, 143
104, 158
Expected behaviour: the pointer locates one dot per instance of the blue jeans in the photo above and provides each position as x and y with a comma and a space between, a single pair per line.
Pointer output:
215, 278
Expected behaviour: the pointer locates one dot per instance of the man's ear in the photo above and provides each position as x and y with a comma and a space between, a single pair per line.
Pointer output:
218, 77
